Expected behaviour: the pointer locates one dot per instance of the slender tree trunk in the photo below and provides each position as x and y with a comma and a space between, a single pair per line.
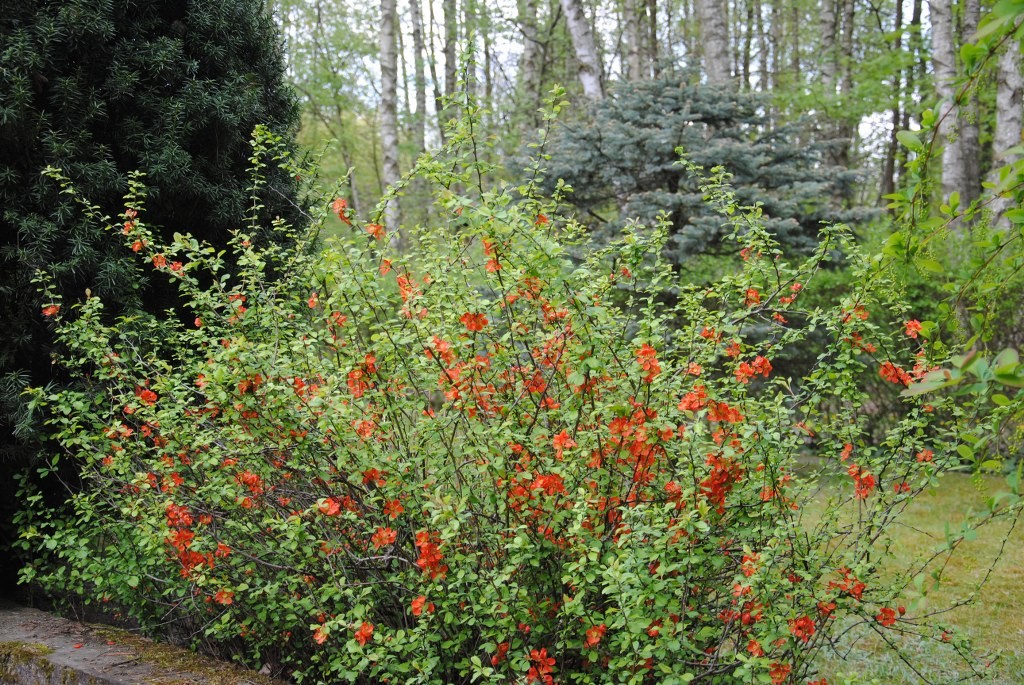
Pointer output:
432, 63
420, 120
590, 70
469, 31
846, 128
1009, 106
389, 111
714, 27
451, 39
970, 143
827, 29
688, 23
488, 61
762, 49
944, 61
652, 39
914, 43
403, 70
888, 185
748, 44
794, 35
632, 28
778, 39
528, 75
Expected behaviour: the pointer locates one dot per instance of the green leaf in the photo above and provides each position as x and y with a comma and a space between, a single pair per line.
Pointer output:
910, 140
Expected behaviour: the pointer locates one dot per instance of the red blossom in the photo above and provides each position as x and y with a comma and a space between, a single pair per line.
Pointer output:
383, 537
912, 328
886, 616
752, 297
393, 508
694, 400
473, 322
594, 635
802, 628
500, 654
779, 672
894, 374
542, 666
329, 507
364, 633
747, 370
646, 356
430, 555
419, 604
376, 231
224, 597
863, 481
146, 396
340, 207
562, 442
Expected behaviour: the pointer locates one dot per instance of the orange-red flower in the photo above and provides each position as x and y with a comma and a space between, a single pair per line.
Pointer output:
224, 597
383, 537
886, 616
365, 633
329, 507
594, 635
647, 358
473, 322
340, 207
419, 604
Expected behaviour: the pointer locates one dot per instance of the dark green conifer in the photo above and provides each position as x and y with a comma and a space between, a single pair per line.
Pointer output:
101, 88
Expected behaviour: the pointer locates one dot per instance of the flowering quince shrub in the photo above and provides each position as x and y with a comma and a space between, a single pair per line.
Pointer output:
498, 460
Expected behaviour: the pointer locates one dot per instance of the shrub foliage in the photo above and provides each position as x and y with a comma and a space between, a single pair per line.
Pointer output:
479, 466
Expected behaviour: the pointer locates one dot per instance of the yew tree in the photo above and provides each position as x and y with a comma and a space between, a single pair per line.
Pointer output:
101, 88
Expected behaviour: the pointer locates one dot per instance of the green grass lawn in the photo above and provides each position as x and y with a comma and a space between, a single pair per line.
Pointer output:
994, 621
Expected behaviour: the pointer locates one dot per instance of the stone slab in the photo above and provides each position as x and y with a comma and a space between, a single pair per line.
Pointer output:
39, 648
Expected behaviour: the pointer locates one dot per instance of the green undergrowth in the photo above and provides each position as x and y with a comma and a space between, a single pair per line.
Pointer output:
991, 621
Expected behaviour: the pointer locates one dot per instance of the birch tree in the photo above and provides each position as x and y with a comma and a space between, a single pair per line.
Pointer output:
1008, 130
944, 64
389, 110
714, 31
591, 73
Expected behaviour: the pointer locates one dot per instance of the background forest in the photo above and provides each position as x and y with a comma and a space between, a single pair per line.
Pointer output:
649, 341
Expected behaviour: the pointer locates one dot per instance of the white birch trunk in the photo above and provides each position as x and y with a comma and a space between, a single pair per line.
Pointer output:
632, 12
1008, 132
389, 111
714, 31
827, 29
944, 64
590, 70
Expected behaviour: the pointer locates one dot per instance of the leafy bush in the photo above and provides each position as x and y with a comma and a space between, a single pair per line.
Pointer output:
473, 466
